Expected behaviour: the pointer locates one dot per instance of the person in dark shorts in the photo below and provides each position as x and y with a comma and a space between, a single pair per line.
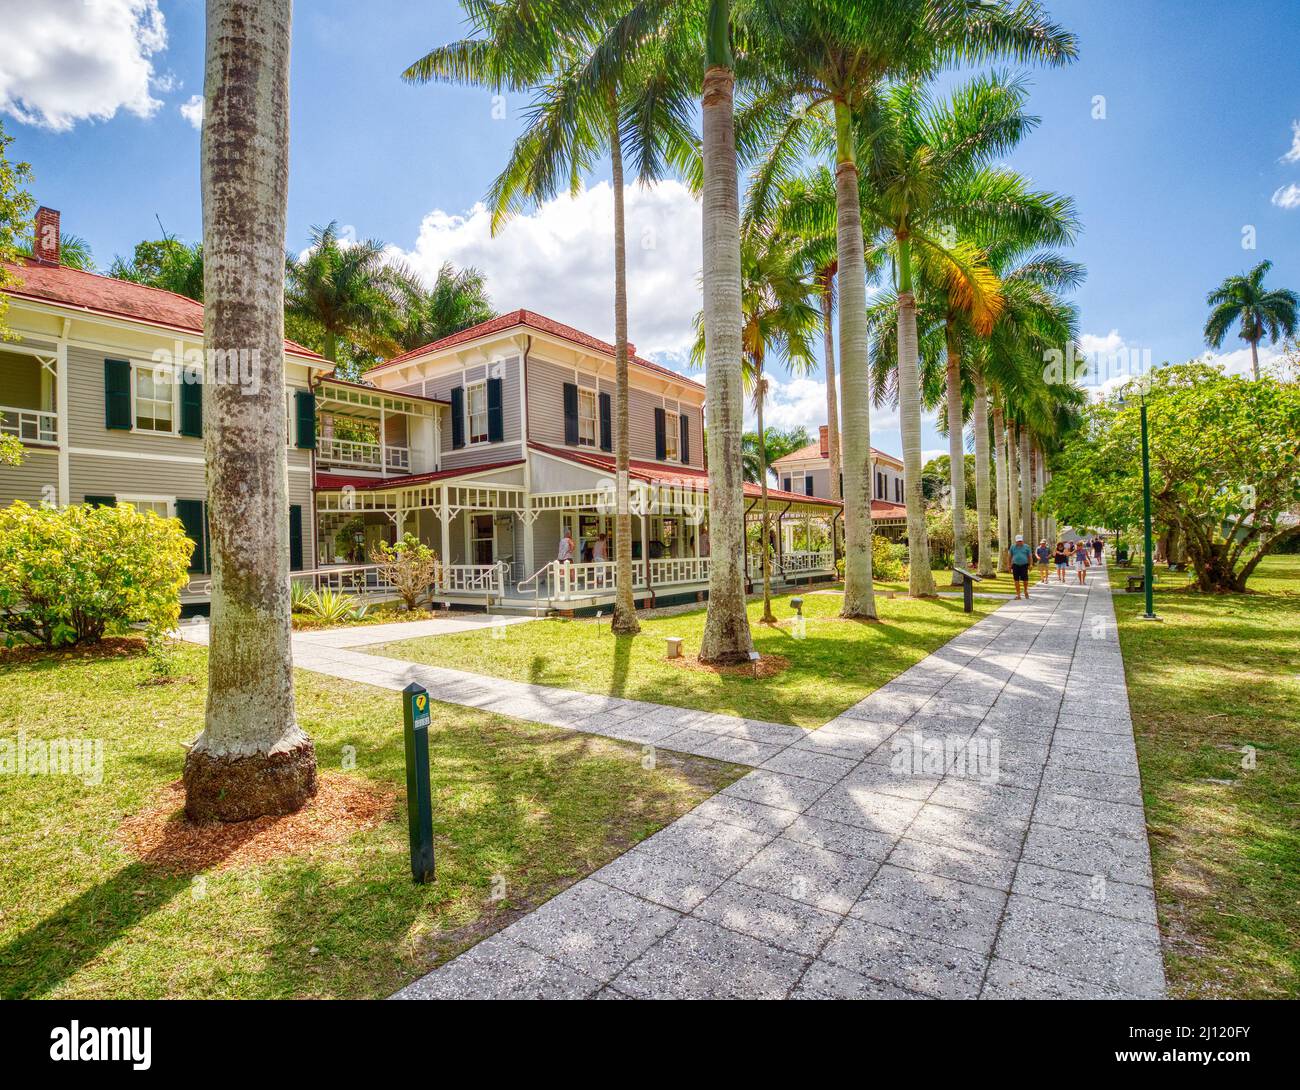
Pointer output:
1062, 561
1021, 555
1043, 554
1098, 544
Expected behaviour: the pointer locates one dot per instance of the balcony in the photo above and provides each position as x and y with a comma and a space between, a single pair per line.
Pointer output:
30, 425
361, 454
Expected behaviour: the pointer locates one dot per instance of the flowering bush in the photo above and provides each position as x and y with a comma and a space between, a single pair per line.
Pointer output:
68, 575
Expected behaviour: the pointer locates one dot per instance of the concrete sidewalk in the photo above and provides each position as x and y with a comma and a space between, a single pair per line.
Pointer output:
859, 860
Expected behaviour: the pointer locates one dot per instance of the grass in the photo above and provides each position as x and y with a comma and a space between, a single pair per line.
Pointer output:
998, 583
81, 918
1221, 673
835, 666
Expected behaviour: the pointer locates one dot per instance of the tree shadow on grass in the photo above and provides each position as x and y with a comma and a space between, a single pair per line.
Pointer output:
57, 947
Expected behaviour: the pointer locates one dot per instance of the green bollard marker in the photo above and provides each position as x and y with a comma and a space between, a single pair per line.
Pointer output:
419, 801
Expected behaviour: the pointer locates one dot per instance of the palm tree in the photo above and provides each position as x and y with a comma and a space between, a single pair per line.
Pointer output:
166, 263
456, 301
585, 105
823, 63
776, 444
74, 252
252, 758
726, 627
1243, 299
350, 291
776, 319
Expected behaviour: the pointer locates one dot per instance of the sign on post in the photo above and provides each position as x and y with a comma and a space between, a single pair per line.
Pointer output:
968, 581
419, 800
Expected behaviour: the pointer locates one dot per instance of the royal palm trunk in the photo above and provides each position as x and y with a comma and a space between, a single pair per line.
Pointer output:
859, 593
920, 579
980, 415
252, 758
726, 628
768, 618
624, 621
1013, 487
1004, 515
1026, 487
956, 455
827, 295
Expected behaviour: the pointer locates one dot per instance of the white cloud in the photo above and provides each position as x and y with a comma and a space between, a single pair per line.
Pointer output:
66, 61
1287, 196
1108, 342
192, 111
1237, 362
931, 455
1293, 156
559, 261
791, 403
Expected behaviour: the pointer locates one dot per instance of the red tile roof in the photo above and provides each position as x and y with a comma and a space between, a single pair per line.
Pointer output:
531, 320
661, 473
105, 295
331, 482
814, 450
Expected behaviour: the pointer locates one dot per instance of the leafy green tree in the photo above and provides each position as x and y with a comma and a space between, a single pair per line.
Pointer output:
16, 207
1225, 467
347, 290
166, 263
1259, 312
775, 444
71, 575
457, 300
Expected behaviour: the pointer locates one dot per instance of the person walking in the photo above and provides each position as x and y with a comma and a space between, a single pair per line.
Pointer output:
1021, 555
1062, 560
1098, 544
1081, 561
1043, 554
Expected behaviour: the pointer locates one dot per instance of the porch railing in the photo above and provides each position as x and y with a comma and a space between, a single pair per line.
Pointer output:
793, 563
346, 578
398, 458
486, 579
29, 425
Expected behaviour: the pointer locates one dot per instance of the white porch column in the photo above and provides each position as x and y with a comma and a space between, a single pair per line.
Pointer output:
383, 446
645, 548
444, 516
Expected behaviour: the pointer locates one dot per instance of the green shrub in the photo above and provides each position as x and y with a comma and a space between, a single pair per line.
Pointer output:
886, 561
410, 567
334, 606
69, 575
299, 595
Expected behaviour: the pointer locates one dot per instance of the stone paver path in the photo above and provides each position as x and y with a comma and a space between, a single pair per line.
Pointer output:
831, 871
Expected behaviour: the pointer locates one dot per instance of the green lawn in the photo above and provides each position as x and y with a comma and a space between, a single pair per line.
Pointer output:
1222, 672
80, 917
994, 584
833, 667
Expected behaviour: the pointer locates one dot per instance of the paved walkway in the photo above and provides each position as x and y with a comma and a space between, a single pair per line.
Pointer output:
831, 871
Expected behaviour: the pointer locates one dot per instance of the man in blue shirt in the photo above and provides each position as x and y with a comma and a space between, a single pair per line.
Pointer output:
1021, 555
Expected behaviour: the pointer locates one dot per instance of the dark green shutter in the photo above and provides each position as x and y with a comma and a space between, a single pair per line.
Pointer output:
606, 423
101, 501
305, 405
685, 452
808, 484
458, 417
295, 537
496, 424
571, 414
117, 395
192, 409
661, 443
194, 519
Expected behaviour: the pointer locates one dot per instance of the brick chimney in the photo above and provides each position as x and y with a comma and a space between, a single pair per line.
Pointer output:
45, 247
824, 438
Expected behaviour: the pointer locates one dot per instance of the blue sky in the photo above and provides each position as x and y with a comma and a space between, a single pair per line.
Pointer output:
1200, 100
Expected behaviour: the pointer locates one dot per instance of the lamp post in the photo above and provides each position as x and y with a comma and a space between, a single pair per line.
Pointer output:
1148, 563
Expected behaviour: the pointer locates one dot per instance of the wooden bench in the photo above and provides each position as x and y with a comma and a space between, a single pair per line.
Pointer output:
1136, 582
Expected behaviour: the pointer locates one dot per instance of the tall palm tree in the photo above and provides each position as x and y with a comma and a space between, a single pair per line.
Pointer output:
726, 627
74, 252
777, 321
1260, 312
775, 444
823, 63
585, 106
457, 300
252, 758
349, 290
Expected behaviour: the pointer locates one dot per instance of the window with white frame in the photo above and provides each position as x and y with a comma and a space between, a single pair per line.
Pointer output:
586, 418
476, 408
154, 400
162, 506
672, 436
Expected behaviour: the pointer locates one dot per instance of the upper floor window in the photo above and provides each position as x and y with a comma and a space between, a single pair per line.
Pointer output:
162, 506
587, 424
476, 408
672, 436
153, 401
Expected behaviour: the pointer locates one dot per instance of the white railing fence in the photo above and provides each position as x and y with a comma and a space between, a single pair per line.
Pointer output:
29, 425
486, 579
348, 452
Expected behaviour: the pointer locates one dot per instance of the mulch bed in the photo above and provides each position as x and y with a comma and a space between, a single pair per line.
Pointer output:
767, 666
160, 834
110, 647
